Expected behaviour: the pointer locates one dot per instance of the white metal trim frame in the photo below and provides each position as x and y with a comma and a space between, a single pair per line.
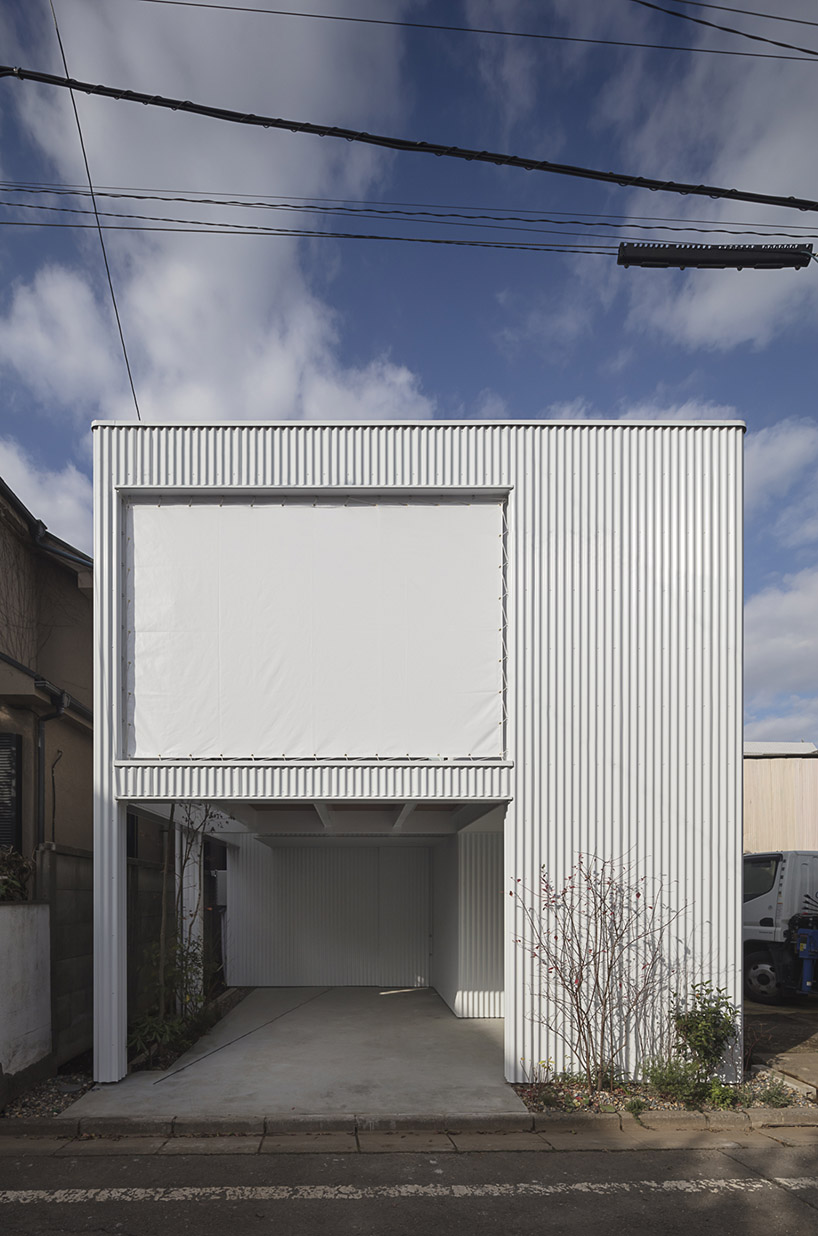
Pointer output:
209, 699
110, 852
623, 650
344, 782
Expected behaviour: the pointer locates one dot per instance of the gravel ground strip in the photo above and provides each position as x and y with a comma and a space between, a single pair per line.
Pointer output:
571, 1096
49, 1097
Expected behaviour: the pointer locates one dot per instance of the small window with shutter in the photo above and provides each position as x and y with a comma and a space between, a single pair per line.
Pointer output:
11, 806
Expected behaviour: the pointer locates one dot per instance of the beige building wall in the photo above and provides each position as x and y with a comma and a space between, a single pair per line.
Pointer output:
46, 624
780, 803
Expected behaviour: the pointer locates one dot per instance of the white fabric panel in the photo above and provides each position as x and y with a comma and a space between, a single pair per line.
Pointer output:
304, 916
297, 630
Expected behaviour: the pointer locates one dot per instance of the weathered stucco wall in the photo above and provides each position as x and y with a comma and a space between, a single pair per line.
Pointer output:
25, 986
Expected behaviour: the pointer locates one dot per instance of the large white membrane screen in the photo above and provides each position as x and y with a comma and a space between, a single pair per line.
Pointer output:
310, 629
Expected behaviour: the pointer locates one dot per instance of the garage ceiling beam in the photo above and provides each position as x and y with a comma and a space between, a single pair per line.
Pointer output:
402, 816
327, 816
470, 813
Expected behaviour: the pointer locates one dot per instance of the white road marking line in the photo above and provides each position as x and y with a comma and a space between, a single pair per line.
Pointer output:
322, 1193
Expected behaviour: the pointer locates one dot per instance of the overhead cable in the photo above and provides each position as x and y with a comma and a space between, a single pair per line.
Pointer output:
99, 228
233, 198
745, 34
434, 218
305, 232
727, 8
426, 25
624, 180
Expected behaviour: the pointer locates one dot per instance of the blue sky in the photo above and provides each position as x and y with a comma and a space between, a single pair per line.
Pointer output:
249, 327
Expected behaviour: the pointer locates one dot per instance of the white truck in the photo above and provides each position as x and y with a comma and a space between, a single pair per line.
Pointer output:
780, 925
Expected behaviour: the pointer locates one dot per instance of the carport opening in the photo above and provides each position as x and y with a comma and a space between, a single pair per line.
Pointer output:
393, 896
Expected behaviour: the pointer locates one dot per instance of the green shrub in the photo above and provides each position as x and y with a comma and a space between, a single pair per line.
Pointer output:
15, 873
707, 1027
678, 1080
774, 1094
722, 1096
636, 1106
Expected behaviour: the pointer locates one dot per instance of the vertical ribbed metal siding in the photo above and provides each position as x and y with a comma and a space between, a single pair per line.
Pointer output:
482, 912
444, 971
626, 721
314, 915
110, 892
624, 640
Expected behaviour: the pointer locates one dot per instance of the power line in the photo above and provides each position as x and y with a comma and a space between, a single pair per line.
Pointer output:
425, 25
433, 218
99, 227
305, 232
319, 204
624, 180
744, 34
726, 8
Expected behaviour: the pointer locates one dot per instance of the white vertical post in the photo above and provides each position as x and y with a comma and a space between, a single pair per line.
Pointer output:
110, 887
110, 941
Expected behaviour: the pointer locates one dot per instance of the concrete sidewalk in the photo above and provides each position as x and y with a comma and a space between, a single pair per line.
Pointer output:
337, 1053
758, 1128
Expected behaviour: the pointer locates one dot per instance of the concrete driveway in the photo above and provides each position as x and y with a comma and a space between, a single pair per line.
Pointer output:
785, 1037
322, 1050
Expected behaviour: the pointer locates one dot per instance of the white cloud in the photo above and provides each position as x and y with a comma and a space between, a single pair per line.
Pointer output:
776, 459
796, 721
61, 499
580, 408
689, 410
216, 327
736, 123
507, 66
781, 644
490, 406
56, 336
577, 409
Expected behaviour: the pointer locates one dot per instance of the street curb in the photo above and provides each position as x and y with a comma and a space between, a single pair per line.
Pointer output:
587, 1123
122, 1126
577, 1122
217, 1126
660, 1120
502, 1122
331, 1122
782, 1117
794, 1083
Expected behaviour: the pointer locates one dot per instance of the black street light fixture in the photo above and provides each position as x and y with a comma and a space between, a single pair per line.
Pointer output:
715, 257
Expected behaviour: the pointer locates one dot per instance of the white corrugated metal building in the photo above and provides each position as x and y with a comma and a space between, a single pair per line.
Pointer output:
414, 664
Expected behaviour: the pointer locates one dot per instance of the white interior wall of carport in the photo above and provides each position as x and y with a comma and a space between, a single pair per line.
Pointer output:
327, 914
468, 921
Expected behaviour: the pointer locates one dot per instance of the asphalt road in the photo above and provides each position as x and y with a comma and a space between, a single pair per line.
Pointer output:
770, 1192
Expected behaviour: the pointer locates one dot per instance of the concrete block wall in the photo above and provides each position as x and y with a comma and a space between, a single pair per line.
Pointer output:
65, 880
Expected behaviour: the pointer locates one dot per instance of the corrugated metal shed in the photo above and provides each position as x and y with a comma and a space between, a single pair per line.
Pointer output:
780, 797
622, 632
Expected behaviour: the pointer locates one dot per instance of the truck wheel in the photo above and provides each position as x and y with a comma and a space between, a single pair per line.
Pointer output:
760, 982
